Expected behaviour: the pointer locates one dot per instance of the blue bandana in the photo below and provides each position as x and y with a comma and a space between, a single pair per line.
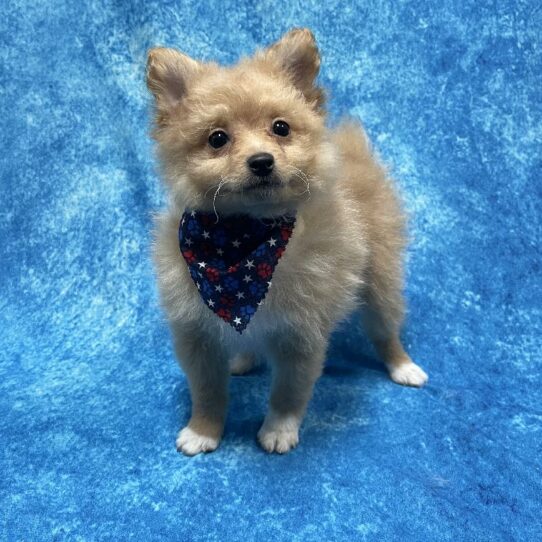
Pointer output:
232, 260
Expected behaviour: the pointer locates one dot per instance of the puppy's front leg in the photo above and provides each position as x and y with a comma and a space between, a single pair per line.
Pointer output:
296, 367
207, 371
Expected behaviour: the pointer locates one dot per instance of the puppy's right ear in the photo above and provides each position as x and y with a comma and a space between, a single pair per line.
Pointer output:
168, 73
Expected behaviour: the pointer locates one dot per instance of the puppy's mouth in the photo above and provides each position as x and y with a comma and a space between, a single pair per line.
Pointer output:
261, 184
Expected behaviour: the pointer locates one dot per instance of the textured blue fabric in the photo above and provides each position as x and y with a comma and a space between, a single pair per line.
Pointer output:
91, 397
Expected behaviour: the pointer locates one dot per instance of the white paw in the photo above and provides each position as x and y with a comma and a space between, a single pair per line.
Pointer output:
408, 374
191, 443
279, 434
241, 364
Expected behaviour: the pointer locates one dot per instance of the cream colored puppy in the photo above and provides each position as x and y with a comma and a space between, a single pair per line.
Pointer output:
248, 147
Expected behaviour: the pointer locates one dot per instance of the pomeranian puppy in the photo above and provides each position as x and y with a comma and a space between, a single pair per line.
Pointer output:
276, 229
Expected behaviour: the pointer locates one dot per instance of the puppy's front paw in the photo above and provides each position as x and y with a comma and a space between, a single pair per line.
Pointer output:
408, 374
191, 443
278, 441
279, 433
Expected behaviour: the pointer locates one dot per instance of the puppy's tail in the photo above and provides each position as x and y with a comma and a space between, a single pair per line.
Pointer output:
368, 181
358, 156
350, 138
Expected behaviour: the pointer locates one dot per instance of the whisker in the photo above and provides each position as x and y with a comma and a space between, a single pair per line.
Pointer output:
212, 187
303, 177
223, 181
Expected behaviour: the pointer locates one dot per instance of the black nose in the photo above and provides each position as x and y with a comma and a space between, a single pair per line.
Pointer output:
261, 164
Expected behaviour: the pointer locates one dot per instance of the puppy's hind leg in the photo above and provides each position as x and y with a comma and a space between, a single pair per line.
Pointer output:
242, 363
382, 316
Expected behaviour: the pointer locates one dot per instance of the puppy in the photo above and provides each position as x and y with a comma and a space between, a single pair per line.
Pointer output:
276, 229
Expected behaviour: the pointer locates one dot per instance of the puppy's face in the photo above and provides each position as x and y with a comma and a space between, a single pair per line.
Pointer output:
246, 139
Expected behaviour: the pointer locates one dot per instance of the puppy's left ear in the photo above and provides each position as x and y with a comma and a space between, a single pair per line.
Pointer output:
297, 54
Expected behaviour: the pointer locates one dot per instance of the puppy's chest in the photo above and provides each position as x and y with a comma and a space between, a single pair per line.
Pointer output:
318, 274
315, 282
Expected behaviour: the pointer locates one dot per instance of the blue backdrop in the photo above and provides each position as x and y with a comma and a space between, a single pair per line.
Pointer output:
91, 397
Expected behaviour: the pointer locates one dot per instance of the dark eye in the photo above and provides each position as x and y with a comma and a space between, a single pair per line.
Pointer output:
218, 139
281, 128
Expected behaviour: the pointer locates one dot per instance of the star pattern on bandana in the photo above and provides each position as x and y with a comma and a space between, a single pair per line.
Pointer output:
232, 260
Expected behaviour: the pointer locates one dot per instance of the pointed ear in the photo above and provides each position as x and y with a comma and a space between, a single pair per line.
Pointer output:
168, 73
297, 54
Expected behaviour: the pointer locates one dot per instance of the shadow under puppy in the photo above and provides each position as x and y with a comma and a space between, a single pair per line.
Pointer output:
276, 229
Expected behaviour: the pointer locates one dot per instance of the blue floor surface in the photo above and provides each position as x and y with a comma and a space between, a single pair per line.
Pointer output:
91, 397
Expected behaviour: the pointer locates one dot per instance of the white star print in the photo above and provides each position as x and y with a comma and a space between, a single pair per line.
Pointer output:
269, 284
193, 213
202, 264
189, 241
205, 234
247, 279
272, 242
260, 302
250, 264
211, 303
240, 295
219, 251
246, 235
197, 284
236, 243
237, 321
218, 288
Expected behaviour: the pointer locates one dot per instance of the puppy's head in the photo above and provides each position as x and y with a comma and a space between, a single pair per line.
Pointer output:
243, 139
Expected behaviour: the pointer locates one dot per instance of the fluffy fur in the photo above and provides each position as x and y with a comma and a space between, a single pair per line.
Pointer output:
346, 249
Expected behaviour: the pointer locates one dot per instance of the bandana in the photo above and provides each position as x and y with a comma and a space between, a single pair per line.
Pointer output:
232, 261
